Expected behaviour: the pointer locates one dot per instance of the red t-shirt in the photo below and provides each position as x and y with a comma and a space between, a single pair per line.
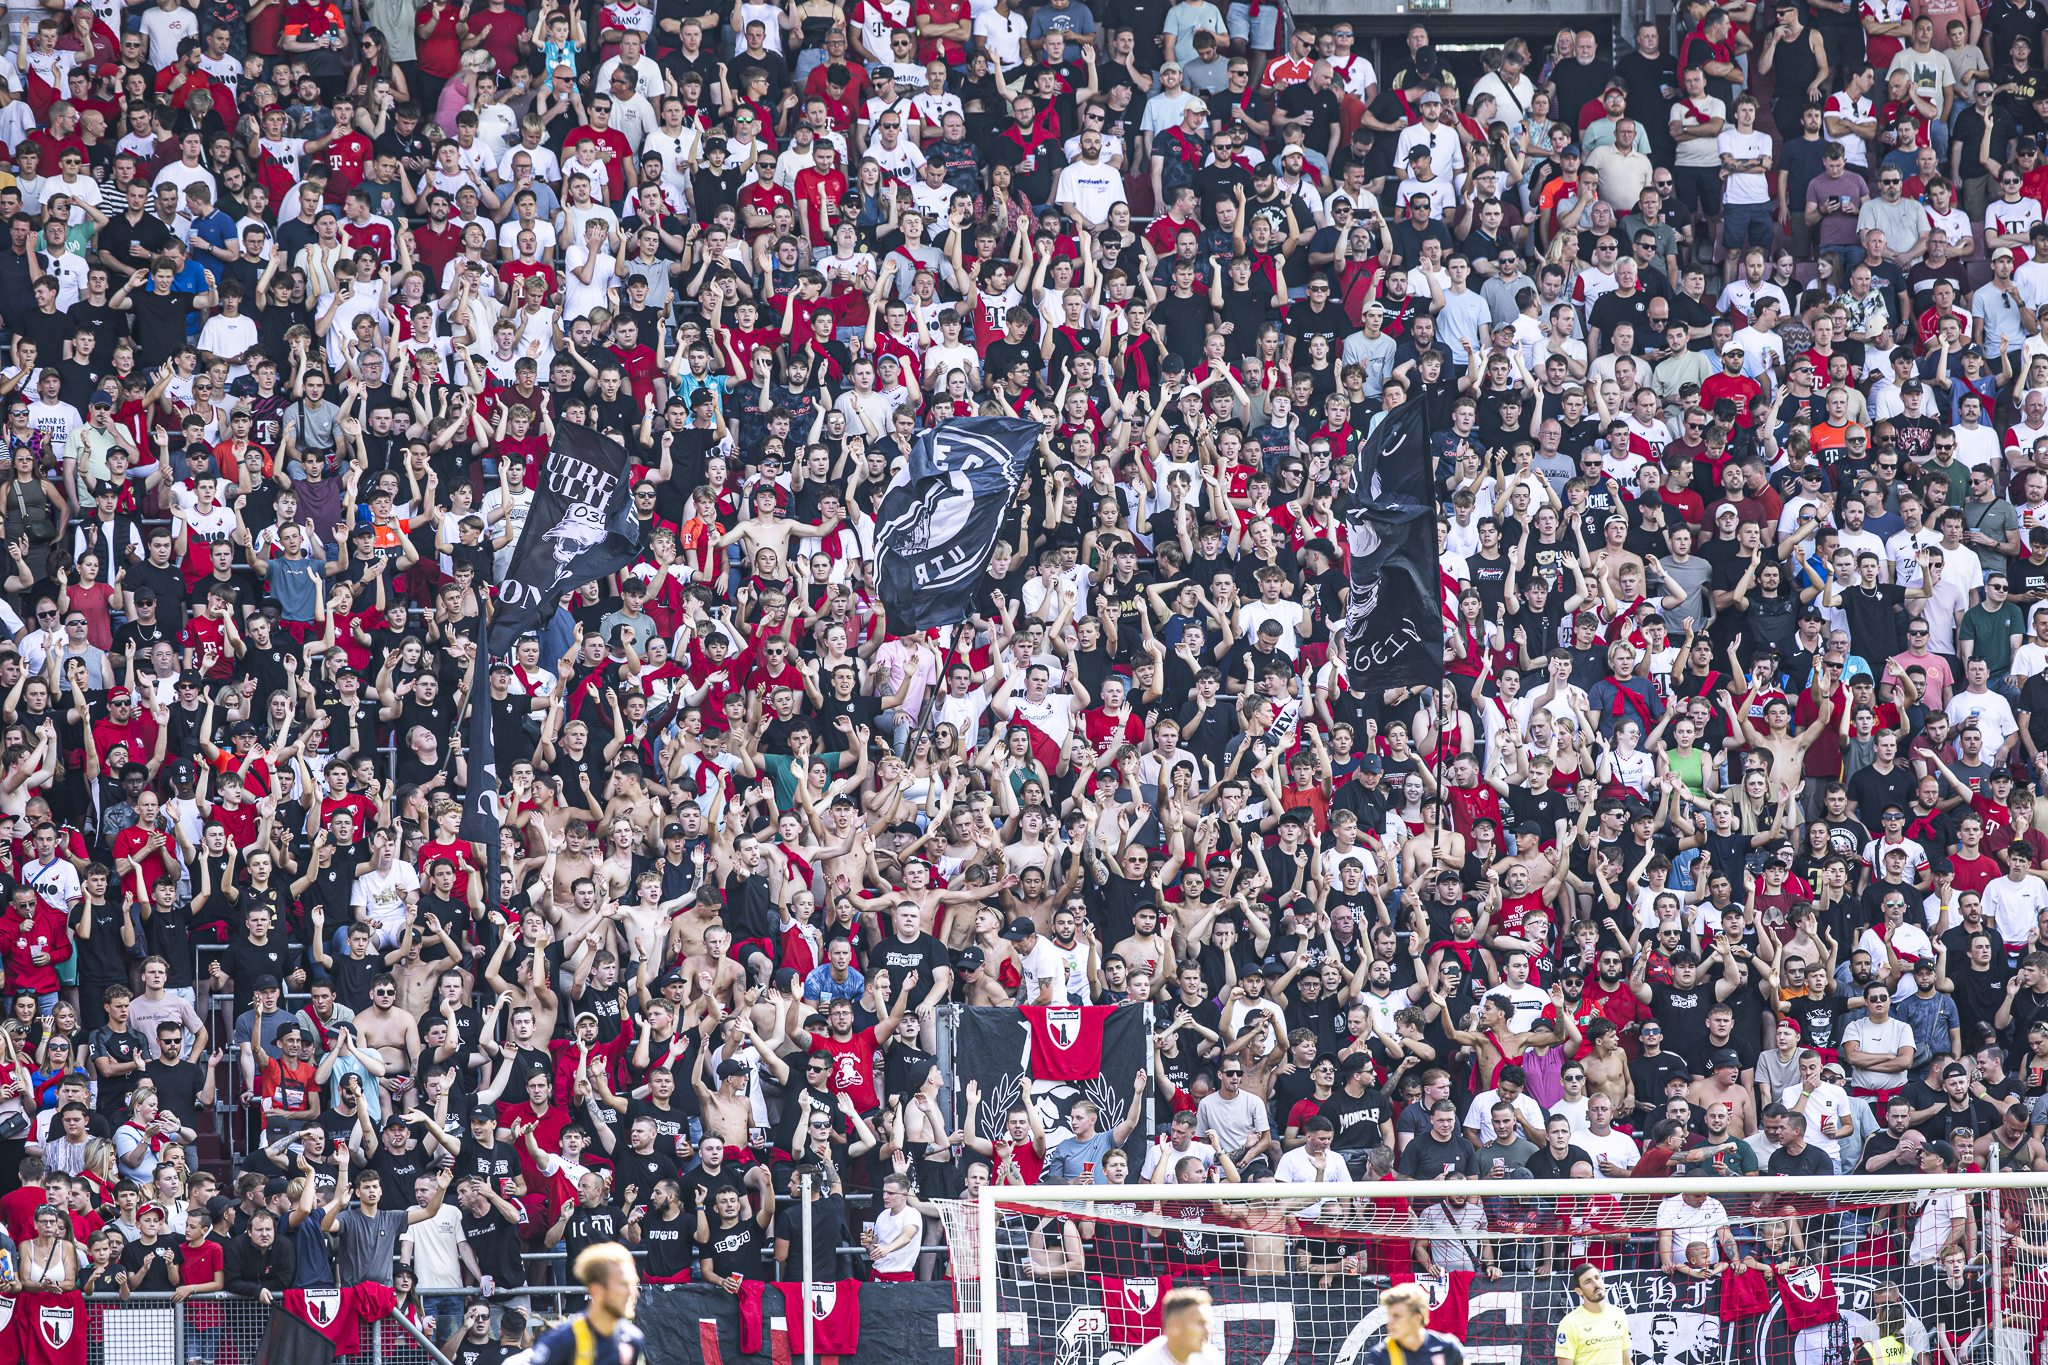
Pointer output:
853, 1066
1974, 874
440, 54
157, 864
18, 1211
347, 156
608, 140
639, 366
371, 235
503, 28
199, 1264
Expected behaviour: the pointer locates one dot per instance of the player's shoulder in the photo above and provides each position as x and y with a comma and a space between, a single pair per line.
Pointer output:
558, 1343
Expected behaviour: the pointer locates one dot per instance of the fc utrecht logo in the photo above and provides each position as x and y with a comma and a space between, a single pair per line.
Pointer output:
824, 1298
323, 1306
1141, 1295
1064, 1025
55, 1325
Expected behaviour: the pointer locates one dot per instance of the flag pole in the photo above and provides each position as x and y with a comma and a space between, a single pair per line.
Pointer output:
931, 701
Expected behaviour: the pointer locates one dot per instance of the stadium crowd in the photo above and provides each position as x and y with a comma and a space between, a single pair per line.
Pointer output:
1717, 849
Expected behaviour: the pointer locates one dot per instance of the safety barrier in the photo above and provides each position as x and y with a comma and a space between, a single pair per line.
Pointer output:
153, 1329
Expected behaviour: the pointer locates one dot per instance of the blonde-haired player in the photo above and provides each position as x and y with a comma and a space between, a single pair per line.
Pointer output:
1596, 1332
1186, 1339
603, 1333
1409, 1340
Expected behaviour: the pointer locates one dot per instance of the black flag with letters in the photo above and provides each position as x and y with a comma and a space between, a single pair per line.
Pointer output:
480, 810
939, 518
581, 527
1393, 624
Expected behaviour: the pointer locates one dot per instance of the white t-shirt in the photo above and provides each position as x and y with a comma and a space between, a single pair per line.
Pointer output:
580, 300
888, 1227
1173, 1157
382, 896
1746, 187
1872, 1036
1828, 1104
165, 30
1005, 37
1064, 967
1687, 1224
1616, 1147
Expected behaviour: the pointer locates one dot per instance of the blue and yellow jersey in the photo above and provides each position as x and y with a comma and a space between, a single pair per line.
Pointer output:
575, 1342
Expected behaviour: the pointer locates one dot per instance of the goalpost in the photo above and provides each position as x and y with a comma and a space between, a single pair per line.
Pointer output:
1073, 1275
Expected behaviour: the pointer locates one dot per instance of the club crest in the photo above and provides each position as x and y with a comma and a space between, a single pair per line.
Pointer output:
323, 1306
1064, 1025
1141, 1295
824, 1298
55, 1325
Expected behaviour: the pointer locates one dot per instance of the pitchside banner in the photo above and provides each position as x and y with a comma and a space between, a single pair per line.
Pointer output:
581, 527
900, 1324
1393, 624
938, 521
995, 1048
1513, 1320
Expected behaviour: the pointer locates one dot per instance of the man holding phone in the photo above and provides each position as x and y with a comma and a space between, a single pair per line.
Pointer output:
1833, 200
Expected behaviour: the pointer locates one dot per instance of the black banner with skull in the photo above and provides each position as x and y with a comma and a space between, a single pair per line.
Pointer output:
581, 527
1393, 624
995, 1055
939, 518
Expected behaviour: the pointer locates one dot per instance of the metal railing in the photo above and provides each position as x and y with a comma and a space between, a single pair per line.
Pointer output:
152, 1329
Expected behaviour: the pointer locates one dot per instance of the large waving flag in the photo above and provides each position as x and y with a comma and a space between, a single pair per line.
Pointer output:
582, 526
938, 521
1394, 622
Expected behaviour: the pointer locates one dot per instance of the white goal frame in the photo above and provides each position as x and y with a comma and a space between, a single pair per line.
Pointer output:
987, 1314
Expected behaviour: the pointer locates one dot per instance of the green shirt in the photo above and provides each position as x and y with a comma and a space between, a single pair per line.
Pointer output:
1991, 634
1740, 1159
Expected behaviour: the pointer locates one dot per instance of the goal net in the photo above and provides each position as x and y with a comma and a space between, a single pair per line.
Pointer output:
1064, 1275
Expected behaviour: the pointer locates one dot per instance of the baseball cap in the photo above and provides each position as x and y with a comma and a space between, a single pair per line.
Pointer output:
1370, 763
119, 694
971, 959
269, 983
1020, 929
672, 831
1724, 1056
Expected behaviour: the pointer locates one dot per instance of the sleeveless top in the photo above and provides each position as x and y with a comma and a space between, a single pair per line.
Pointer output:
1689, 767
1546, 1073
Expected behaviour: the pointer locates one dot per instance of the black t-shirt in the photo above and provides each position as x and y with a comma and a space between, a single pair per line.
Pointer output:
828, 1228
115, 1047
400, 1169
149, 1268
102, 958
497, 1163
1428, 1159
1683, 1013
177, 1087
667, 1242
1811, 1162
924, 955
1357, 1119
736, 1250
1544, 1166
591, 1225
631, 1170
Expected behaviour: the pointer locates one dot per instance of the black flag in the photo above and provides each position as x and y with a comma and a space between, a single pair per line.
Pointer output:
480, 817
1394, 625
939, 518
581, 527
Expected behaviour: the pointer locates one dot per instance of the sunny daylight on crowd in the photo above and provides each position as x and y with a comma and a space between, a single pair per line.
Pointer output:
1024, 682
